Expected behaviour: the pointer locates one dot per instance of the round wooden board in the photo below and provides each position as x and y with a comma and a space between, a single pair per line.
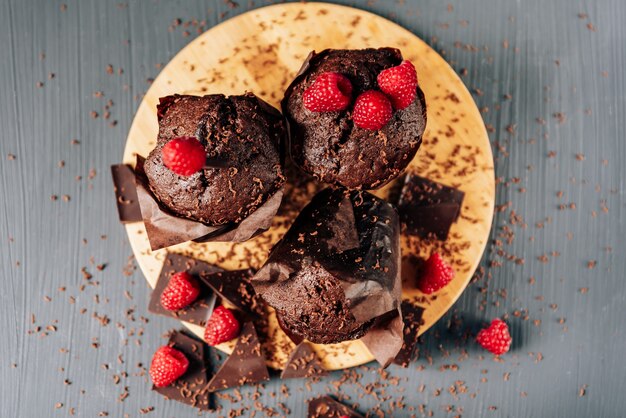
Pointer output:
260, 51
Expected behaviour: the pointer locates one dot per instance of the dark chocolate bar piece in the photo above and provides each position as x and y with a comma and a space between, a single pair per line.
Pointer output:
128, 208
246, 364
190, 388
412, 317
327, 407
234, 286
427, 208
200, 310
303, 362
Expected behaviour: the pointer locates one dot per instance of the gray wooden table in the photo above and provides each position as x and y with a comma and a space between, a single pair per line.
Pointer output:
550, 77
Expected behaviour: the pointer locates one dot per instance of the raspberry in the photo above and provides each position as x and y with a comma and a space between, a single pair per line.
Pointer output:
436, 274
400, 84
180, 292
372, 110
496, 338
168, 364
222, 326
329, 92
184, 156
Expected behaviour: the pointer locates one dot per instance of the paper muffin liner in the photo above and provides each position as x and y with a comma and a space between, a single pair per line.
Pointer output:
293, 128
365, 261
165, 229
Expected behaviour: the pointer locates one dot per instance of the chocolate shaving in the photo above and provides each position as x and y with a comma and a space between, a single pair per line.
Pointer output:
165, 229
246, 364
200, 310
125, 193
327, 407
303, 362
428, 209
412, 317
234, 286
190, 388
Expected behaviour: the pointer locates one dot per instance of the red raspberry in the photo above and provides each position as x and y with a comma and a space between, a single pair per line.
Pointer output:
496, 338
168, 364
329, 92
400, 84
222, 326
436, 274
181, 291
372, 110
184, 156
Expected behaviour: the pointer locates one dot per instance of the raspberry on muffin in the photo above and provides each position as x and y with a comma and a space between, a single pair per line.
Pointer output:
356, 117
238, 137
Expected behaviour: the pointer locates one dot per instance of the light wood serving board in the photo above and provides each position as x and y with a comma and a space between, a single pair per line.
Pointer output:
261, 51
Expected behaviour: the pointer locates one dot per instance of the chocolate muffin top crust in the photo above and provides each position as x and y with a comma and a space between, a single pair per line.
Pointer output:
316, 308
242, 136
329, 146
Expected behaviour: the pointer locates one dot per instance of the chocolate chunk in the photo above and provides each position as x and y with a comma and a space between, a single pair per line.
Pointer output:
303, 362
125, 193
200, 310
246, 365
236, 289
190, 388
428, 209
327, 407
337, 268
412, 317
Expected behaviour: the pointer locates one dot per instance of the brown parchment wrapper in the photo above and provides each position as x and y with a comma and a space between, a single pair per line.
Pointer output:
165, 229
384, 340
356, 237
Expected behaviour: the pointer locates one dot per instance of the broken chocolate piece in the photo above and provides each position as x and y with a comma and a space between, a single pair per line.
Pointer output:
327, 407
303, 362
412, 317
246, 364
190, 388
428, 209
199, 311
128, 208
234, 286
337, 269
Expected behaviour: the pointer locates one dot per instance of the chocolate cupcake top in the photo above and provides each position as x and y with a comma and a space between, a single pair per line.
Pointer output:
242, 136
329, 145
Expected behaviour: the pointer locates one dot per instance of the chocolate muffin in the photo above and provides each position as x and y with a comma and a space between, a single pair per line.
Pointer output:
329, 144
337, 268
242, 137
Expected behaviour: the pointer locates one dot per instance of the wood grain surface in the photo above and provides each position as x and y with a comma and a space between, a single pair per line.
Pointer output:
549, 78
261, 51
